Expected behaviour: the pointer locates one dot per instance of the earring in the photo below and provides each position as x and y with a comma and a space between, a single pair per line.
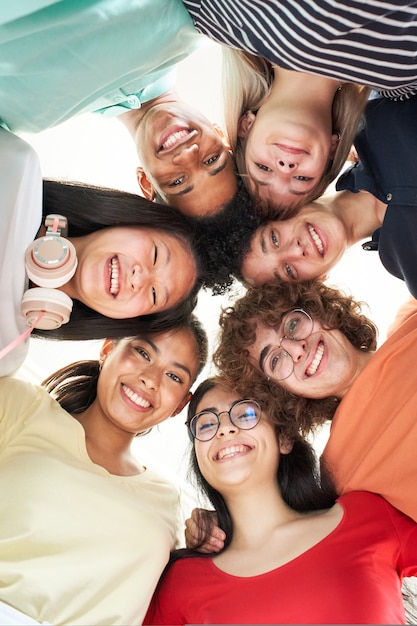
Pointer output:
100, 364
337, 135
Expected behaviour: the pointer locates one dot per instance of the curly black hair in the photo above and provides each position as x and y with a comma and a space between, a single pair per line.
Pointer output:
223, 239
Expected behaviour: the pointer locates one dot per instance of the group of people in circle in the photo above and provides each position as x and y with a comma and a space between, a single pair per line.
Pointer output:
88, 532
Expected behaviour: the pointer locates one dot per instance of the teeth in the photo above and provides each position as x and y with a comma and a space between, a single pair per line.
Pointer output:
144, 404
316, 361
229, 452
114, 276
318, 242
179, 134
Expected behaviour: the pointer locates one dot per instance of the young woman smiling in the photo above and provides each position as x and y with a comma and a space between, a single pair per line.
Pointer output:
80, 494
280, 527
375, 199
309, 348
137, 266
307, 49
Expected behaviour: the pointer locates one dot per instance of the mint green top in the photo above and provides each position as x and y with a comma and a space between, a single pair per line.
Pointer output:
59, 58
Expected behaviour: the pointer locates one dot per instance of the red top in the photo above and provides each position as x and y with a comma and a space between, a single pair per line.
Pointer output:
351, 576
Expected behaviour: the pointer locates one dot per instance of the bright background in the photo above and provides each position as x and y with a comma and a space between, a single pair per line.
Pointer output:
100, 151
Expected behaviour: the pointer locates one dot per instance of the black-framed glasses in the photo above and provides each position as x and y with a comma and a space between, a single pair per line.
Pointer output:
244, 414
297, 325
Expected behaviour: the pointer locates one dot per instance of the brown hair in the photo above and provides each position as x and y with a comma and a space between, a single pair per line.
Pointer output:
267, 305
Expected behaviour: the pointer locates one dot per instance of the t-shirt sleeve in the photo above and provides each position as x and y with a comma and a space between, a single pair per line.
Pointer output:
405, 312
406, 531
164, 608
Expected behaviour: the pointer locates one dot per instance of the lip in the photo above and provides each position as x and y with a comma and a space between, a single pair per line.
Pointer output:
290, 149
321, 236
231, 450
132, 396
186, 132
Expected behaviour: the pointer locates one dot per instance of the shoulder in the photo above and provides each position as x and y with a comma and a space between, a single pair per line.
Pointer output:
185, 564
367, 510
16, 148
353, 500
16, 388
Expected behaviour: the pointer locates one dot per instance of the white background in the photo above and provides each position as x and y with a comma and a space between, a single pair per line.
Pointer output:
100, 151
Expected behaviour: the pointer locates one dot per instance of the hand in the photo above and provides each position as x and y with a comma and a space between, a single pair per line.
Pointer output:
202, 532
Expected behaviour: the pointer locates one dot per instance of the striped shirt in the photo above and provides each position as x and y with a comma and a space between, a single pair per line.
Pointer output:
371, 42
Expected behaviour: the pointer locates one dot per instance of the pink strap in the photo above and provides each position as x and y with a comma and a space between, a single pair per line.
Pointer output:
21, 338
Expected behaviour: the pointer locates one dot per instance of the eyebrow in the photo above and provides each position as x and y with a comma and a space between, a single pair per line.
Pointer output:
212, 172
183, 192
182, 367
175, 363
263, 356
219, 169
261, 183
265, 251
263, 243
167, 260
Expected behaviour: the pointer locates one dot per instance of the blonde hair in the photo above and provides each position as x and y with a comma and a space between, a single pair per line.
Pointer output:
247, 82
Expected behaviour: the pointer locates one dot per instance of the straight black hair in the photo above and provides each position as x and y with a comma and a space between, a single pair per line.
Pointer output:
89, 209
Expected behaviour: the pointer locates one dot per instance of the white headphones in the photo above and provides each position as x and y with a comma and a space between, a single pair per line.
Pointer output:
50, 262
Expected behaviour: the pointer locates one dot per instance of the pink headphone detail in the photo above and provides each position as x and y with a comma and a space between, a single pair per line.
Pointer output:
50, 262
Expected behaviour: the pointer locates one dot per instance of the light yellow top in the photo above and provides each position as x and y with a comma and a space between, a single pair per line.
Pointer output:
77, 544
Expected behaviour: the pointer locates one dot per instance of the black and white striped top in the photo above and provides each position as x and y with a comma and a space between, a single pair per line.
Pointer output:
372, 42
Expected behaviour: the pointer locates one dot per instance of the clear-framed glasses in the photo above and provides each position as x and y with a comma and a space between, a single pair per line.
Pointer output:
297, 325
244, 414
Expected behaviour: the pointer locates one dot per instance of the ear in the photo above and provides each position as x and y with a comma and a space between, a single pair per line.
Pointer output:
334, 144
222, 136
245, 123
182, 404
106, 348
285, 444
145, 184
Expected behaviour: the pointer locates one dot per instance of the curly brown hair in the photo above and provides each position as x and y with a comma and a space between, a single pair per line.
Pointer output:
267, 305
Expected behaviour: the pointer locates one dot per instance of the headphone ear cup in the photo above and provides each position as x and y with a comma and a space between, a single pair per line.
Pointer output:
51, 261
55, 304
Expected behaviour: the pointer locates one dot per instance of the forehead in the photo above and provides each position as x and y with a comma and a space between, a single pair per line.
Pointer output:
217, 398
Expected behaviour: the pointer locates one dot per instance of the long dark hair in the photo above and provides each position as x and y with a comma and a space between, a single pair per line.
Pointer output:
74, 386
89, 209
298, 475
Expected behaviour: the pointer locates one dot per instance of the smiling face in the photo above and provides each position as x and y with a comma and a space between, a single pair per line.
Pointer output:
144, 381
235, 457
127, 271
300, 248
285, 158
185, 159
325, 363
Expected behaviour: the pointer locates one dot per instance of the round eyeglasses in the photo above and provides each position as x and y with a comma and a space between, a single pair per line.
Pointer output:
296, 325
244, 414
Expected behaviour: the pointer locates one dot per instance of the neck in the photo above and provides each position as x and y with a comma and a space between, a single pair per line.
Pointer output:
312, 89
361, 213
256, 514
362, 361
132, 119
107, 445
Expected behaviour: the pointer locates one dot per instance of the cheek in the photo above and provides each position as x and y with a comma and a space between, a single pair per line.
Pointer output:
202, 455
